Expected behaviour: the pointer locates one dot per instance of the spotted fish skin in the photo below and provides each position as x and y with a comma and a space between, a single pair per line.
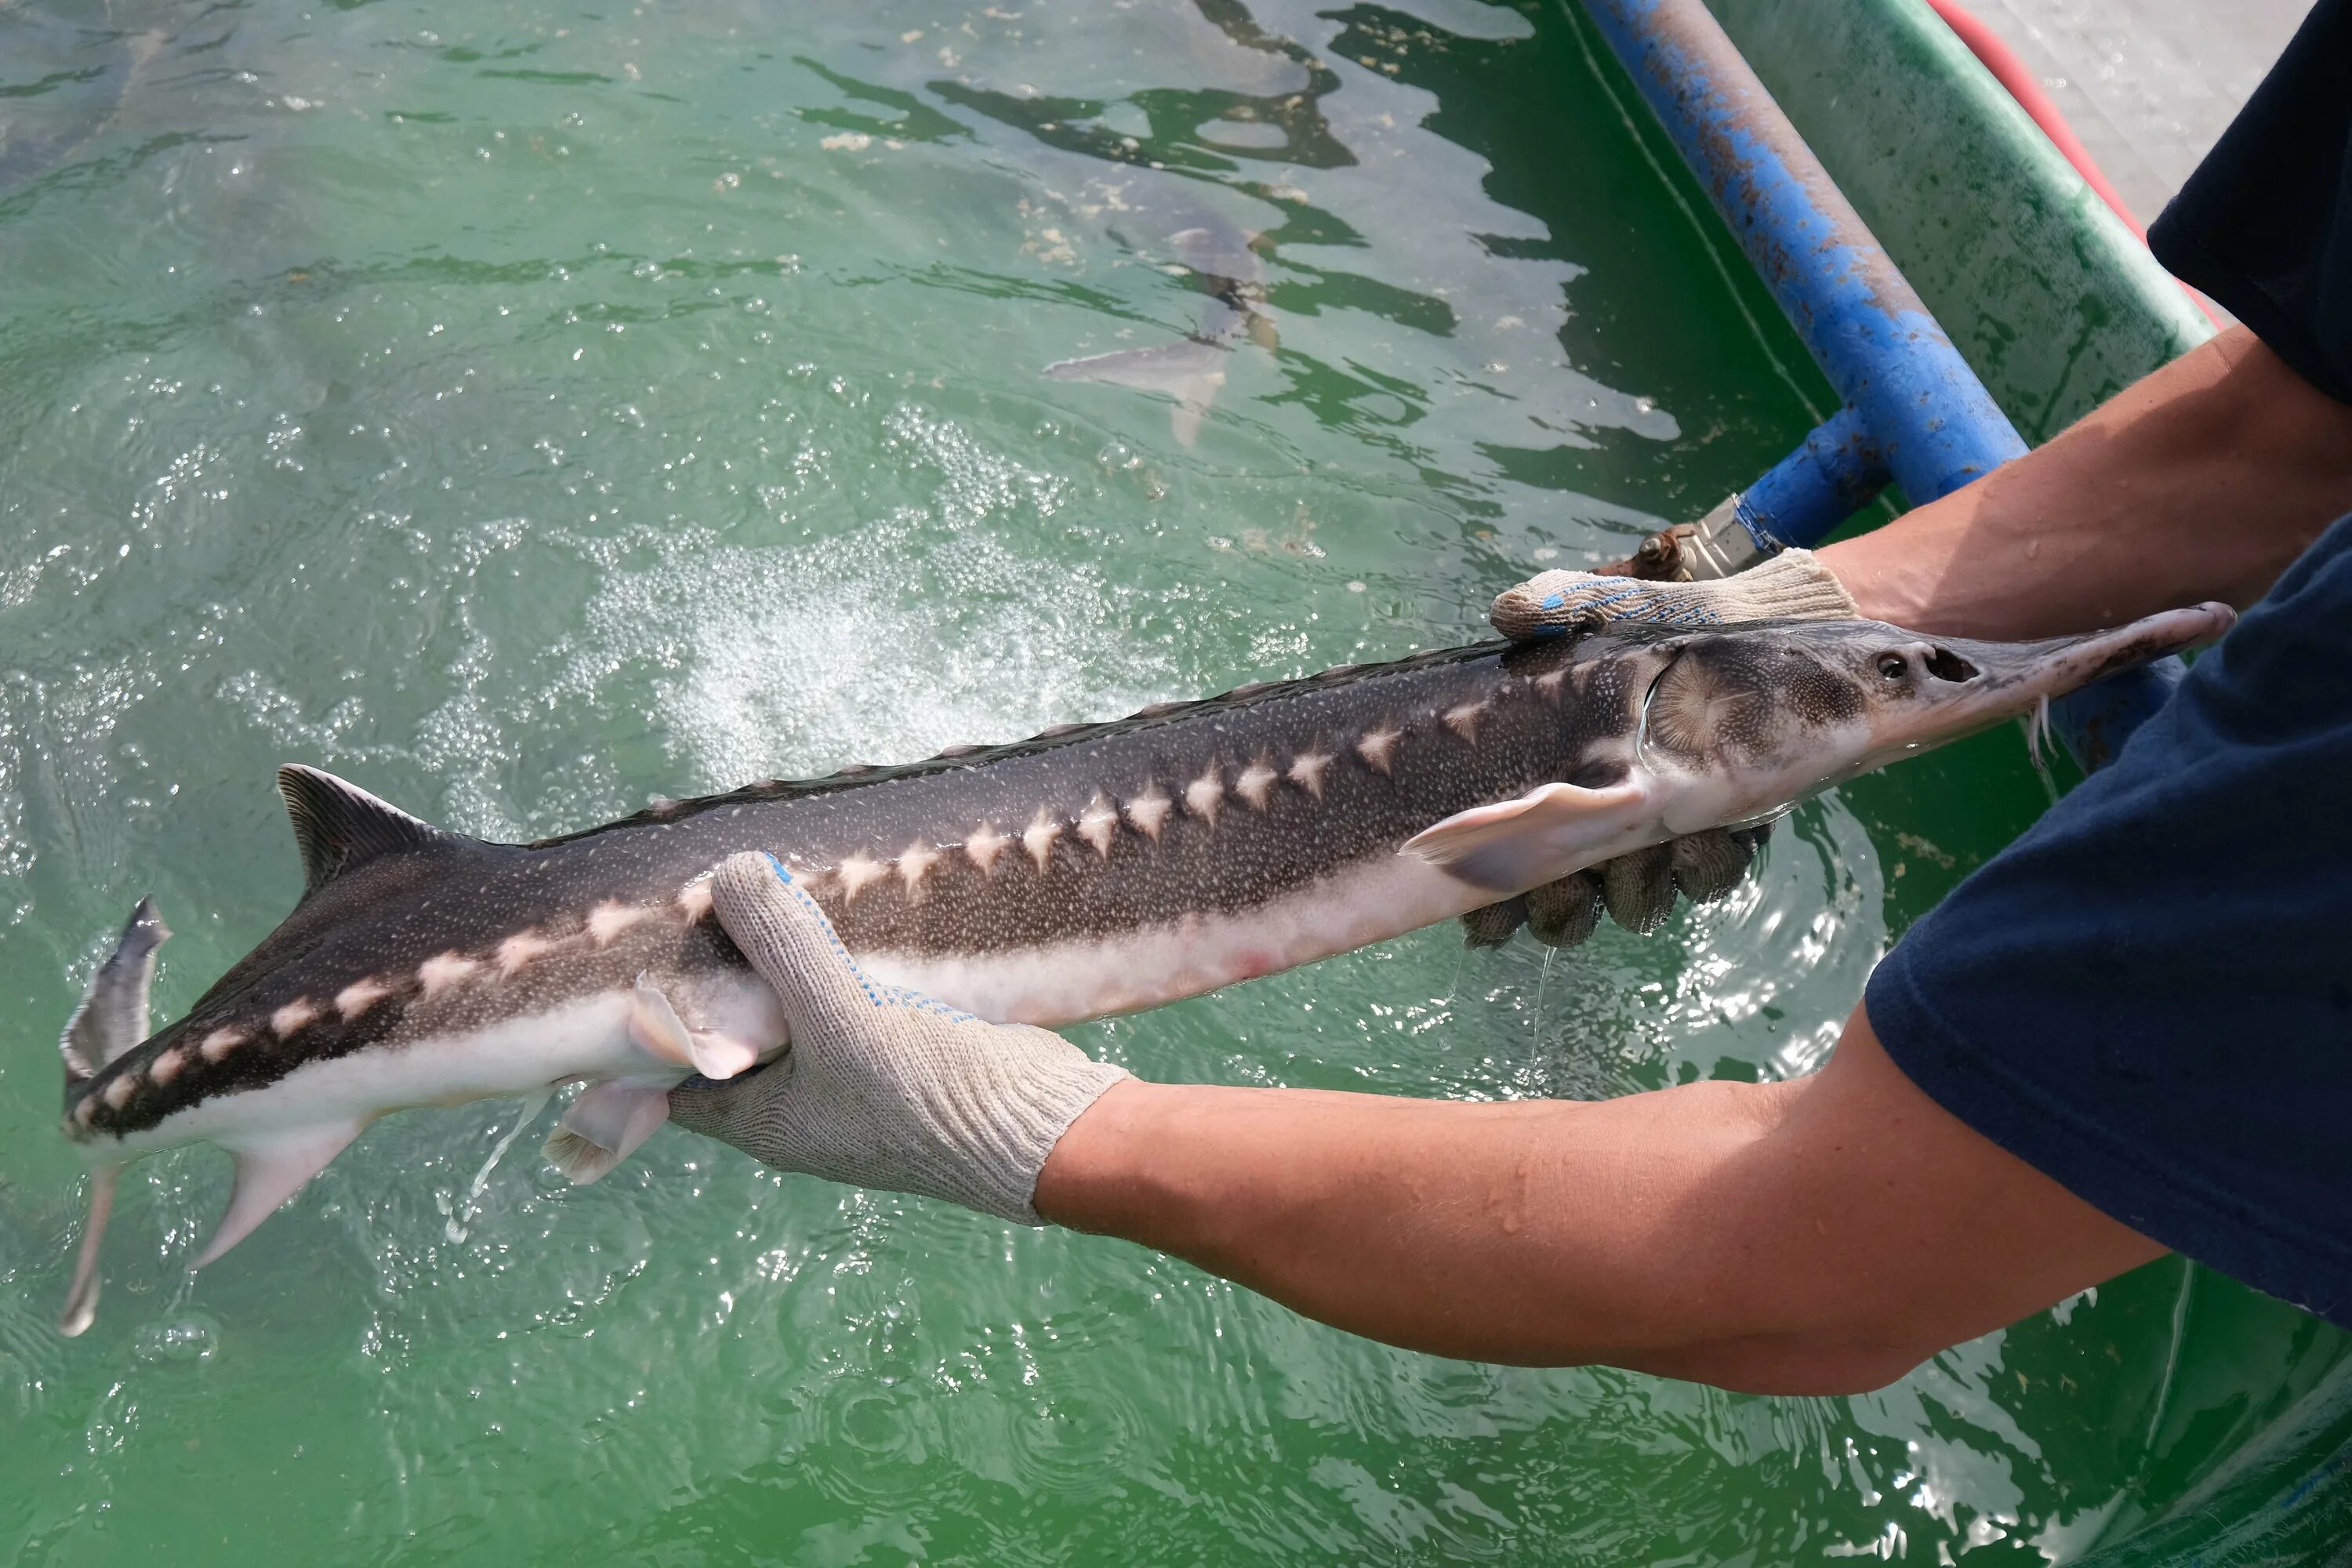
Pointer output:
1223, 264
1186, 816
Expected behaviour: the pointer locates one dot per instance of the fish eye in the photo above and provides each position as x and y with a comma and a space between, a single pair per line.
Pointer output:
1894, 665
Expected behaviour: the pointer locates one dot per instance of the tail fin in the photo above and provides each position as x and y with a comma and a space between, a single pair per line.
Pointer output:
113, 1017
111, 1020
1188, 370
81, 1298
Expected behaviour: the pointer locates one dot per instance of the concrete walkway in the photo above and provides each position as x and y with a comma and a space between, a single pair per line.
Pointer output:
2149, 85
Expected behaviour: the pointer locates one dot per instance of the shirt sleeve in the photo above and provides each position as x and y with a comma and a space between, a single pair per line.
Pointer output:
2265, 226
2147, 996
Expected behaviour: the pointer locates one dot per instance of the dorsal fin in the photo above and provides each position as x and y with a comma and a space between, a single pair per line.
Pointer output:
338, 825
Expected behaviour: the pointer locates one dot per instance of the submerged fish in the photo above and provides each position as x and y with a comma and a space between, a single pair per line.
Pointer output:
1223, 263
69, 105
1094, 869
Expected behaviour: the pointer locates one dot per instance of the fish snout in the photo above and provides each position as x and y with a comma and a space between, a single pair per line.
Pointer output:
2053, 667
2154, 636
1924, 691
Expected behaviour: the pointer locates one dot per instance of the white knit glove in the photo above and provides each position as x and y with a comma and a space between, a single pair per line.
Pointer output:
1793, 585
882, 1086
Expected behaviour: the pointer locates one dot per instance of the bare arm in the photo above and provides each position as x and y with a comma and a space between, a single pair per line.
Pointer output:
2202, 481
1821, 1235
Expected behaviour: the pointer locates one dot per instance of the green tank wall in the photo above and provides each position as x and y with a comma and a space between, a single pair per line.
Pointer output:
2048, 296
2058, 306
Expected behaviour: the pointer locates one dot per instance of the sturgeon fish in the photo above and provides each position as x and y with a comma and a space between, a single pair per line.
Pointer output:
1093, 870
1221, 260
40, 131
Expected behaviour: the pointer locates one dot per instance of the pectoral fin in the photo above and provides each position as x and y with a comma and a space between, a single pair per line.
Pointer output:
268, 1172
1189, 369
1515, 844
604, 1127
81, 1299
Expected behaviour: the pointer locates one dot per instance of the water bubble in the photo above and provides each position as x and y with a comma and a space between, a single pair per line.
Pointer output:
189, 1339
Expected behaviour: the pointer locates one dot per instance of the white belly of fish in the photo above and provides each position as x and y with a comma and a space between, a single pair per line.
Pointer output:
584, 1037
1072, 981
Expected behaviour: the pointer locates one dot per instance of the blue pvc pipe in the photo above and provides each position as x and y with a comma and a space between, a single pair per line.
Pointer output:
1927, 417
1874, 339
1836, 472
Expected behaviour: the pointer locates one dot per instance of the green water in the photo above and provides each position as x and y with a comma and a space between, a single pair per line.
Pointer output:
523, 410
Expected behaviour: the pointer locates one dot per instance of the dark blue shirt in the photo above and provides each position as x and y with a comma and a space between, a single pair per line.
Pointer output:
2265, 226
2149, 997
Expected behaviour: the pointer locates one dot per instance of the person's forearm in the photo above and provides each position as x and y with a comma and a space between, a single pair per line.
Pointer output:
1533, 1231
1818, 1236
2202, 481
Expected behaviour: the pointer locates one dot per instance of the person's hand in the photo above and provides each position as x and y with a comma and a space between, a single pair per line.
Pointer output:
1791, 585
882, 1086
1638, 889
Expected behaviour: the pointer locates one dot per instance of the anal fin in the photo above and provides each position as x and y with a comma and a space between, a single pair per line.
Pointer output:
268, 1172
604, 1127
1542, 836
